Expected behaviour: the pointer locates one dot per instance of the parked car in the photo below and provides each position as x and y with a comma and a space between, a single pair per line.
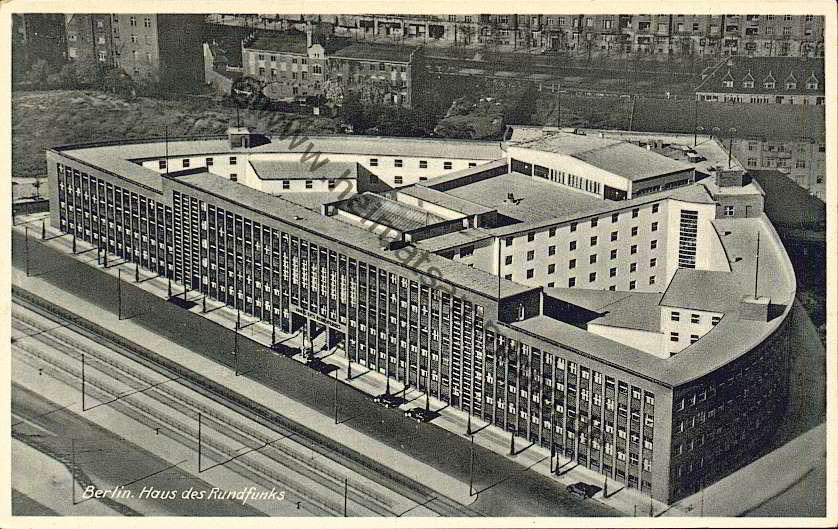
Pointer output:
585, 490
388, 400
421, 414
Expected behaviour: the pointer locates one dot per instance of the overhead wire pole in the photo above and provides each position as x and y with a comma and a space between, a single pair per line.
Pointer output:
336, 396
83, 407
199, 442
26, 257
236, 347
345, 497
73, 467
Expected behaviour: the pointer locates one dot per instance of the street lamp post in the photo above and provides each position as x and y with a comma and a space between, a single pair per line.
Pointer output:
119, 293
236, 348
471, 468
698, 130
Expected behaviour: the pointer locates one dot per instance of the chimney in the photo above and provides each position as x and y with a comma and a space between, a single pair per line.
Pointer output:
510, 197
754, 308
308, 35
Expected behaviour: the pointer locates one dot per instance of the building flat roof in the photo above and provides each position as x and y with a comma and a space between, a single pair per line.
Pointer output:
454, 239
534, 200
296, 142
617, 157
381, 210
587, 207
639, 311
297, 170
445, 200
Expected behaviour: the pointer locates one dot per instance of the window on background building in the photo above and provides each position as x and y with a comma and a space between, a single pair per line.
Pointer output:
398, 163
592, 258
423, 164
551, 268
530, 273
571, 264
729, 211
147, 22
613, 254
572, 245
673, 337
447, 165
652, 280
594, 240
531, 237
132, 21
551, 250
572, 227
675, 316
398, 180
373, 162
286, 184
571, 282
594, 223
530, 255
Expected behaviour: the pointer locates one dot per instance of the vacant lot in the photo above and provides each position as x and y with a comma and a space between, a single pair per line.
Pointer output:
41, 120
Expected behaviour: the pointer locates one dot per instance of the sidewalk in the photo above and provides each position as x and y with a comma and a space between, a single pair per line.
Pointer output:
489, 437
784, 467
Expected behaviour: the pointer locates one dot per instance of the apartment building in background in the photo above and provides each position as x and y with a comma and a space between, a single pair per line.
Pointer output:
673, 378
699, 35
296, 64
165, 48
776, 80
38, 36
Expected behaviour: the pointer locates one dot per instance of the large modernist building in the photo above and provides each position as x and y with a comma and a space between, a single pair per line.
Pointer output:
627, 307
